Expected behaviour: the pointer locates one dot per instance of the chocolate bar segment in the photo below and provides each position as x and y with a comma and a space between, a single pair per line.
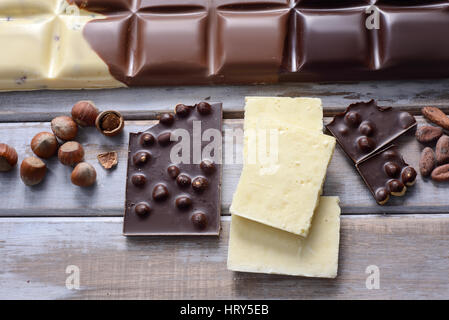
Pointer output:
173, 182
408, 34
387, 174
365, 128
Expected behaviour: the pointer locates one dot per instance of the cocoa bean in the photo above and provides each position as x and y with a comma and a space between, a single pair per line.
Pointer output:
427, 162
441, 173
442, 150
437, 116
428, 134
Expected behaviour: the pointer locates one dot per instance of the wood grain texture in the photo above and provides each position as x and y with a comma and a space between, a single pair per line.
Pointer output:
141, 103
411, 253
57, 196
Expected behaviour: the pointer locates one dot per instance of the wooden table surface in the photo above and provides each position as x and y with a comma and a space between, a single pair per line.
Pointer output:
53, 226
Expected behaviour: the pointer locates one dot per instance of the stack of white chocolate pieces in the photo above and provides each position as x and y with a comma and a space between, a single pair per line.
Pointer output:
280, 222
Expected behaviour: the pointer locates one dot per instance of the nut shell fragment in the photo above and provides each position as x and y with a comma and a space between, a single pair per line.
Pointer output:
108, 160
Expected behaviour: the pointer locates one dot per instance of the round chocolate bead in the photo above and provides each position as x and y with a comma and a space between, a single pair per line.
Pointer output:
343, 130
408, 176
396, 187
173, 171
147, 139
207, 166
140, 158
183, 203
353, 119
200, 184
367, 128
160, 192
382, 195
204, 108
183, 180
199, 219
406, 120
182, 110
142, 209
366, 144
164, 139
167, 119
392, 169
139, 180
389, 154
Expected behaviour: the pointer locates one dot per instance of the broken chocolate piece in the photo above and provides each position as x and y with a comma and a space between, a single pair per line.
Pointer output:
365, 128
176, 194
386, 173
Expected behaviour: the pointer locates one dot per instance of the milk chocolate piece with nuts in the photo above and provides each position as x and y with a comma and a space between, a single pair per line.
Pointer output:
173, 182
387, 174
365, 128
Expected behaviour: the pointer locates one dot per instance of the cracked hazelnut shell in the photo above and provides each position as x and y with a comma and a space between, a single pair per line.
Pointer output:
110, 123
32, 171
71, 153
84, 113
44, 145
8, 157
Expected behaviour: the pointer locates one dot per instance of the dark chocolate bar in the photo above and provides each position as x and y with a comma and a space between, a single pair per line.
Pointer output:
155, 42
172, 190
386, 173
365, 128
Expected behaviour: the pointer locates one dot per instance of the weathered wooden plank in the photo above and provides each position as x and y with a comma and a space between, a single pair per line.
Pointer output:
411, 253
56, 195
140, 103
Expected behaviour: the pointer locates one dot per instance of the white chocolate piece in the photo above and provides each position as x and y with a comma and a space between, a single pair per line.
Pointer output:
46, 48
283, 191
254, 247
283, 113
284, 194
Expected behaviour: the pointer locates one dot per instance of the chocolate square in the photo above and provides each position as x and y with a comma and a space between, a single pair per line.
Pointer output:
171, 44
333, 39
167, 195
386, 173
250, 43
414, 38
110, 38
365, 128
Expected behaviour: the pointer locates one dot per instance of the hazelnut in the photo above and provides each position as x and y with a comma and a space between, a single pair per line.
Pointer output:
199, 220
110, 123
71, 153
108, 160
182, 110
84, 175
142, 209
204, 108
200, 184
8, 157
160, 192
44, 145
183, 202
64, 128
32, 171
85, 113
167, 119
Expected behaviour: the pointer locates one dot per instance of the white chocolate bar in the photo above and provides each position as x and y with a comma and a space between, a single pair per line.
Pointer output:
254, 247
45, 48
